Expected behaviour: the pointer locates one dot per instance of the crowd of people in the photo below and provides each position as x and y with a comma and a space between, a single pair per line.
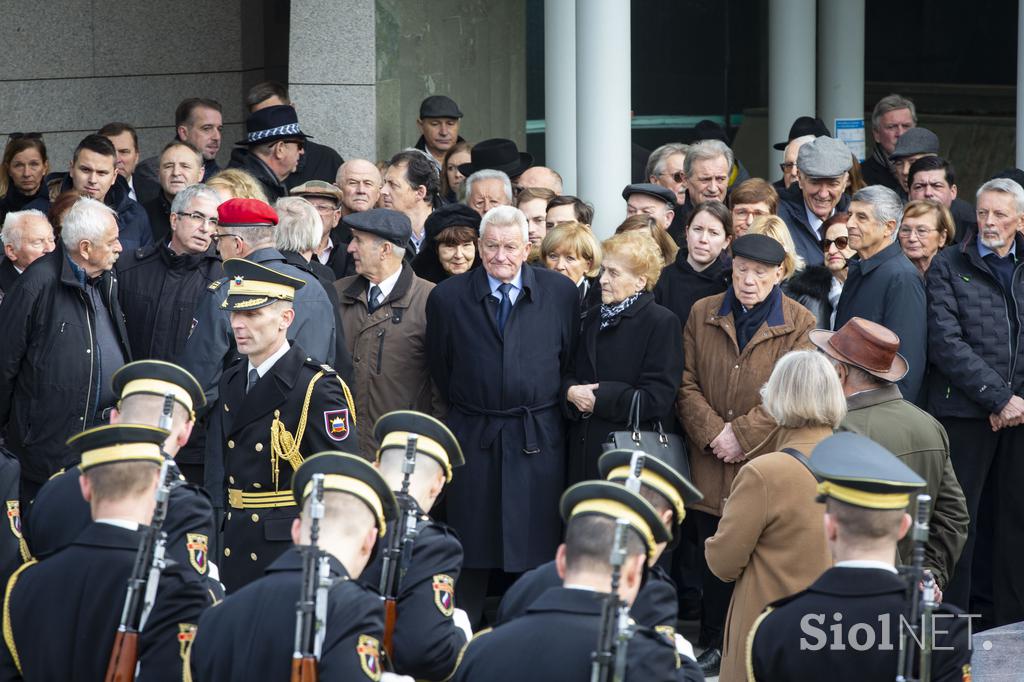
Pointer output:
450, 305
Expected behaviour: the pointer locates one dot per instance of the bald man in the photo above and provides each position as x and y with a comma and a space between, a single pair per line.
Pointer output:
539, 176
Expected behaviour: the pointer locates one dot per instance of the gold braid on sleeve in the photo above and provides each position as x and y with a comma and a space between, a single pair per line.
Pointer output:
283, 445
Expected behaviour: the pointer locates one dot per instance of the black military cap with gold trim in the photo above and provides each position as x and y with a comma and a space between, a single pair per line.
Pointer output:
854, 469
156, 377
658, 473
113, 443
433, 438
615, 502
253, 285
348, 474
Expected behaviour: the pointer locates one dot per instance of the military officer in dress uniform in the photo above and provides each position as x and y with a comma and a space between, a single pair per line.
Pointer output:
60, 513
250, 635
668, 491
61, 614
13, 549
278, 405
555, 638
846, 625
425, 641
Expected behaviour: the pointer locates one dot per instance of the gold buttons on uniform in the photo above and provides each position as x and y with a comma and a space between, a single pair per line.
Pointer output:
253, 556
255, 518
231, 444
227, 551
256, 485
259, 447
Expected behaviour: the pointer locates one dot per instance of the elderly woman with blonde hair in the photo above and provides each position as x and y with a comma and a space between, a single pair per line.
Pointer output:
771, 540
629, 346
235, 183
572, 249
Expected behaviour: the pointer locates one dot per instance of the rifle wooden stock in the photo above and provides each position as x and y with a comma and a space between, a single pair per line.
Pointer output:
390, 614
304, 669
123, 657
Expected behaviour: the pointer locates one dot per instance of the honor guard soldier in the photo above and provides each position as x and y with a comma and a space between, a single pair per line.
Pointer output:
557, 636
421, 636
847, 625
61, 615
249, 636
277, 405
668, 491
13, 549
59, 513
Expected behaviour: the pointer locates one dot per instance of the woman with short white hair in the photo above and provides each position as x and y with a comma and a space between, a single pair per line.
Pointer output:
771, 538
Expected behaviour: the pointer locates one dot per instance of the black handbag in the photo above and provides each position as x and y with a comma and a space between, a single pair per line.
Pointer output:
668, 447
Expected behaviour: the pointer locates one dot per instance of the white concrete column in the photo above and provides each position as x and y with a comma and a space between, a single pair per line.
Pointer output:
841, 70
560, 89
791, 60
602, 109
1020, 84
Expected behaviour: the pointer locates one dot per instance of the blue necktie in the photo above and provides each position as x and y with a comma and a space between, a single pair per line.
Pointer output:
254, 376
504, 307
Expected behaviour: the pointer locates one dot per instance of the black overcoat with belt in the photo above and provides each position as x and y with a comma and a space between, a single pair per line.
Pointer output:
504, 392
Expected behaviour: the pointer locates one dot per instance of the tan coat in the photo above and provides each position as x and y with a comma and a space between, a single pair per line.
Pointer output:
389, 353
771, 539
721, 385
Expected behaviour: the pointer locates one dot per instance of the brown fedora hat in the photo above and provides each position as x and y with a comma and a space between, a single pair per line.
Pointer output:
864, 344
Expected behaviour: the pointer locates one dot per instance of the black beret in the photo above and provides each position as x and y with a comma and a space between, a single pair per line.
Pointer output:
393, 226
157, 377
451, 215
651, 190
760, 248
348, 474
439, 106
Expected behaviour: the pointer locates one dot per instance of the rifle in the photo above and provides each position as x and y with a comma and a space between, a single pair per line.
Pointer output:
918, 602
144, 580
311, 609
636, 469
399, 549
604, 664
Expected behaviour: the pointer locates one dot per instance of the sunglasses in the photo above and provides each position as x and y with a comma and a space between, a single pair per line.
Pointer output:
25, 136
840, 242
678, 176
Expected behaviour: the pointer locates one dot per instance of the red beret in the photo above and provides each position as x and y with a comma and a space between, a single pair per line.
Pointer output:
246, 212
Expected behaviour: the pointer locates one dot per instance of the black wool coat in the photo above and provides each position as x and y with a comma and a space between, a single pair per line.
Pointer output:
505, 393
641, 350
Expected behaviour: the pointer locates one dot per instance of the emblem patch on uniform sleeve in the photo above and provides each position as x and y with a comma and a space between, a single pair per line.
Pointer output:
668, 632
444, 594
336, 423
197, 545
186, 633
14, 517
368, 649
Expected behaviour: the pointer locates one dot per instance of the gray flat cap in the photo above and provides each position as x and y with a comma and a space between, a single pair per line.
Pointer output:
385, 223
916, 141
824, 157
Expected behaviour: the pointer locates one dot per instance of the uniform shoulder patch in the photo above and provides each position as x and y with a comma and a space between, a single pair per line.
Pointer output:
216, 285
444, 594
336, 423
186, 635
327, 369
197, 545
368, 650
668, 632
14, 517
965, 673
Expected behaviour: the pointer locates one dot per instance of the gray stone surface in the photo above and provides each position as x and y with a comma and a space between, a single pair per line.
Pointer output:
47, 39
332, 42
339, 116
998, 654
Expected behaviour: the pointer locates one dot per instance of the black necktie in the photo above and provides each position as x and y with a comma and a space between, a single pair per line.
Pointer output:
254, 376
504, 307
373, 301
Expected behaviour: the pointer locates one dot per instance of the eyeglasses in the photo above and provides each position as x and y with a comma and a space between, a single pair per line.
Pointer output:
217, 237
921, 232
25, 136
678, 176
301, 144
200, 218
840, 242
787, 167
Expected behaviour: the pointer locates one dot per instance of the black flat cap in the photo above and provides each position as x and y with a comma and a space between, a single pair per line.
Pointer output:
916, 141
156, 377
114, 443
651, 190
433, 438
348, 474
451, 215
253, 285
805, 125
393, 226
662, 471
760, 248
854, 469
615, 502
497, 154
439, 106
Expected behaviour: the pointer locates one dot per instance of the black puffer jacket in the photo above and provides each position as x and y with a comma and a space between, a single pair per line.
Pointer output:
49, 361
680, 286
974, 333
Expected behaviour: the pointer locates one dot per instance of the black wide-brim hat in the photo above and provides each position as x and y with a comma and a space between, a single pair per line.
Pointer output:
270, 124
497, 154
348, 474
804, 125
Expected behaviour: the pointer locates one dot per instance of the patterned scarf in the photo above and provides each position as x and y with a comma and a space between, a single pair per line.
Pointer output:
610, 312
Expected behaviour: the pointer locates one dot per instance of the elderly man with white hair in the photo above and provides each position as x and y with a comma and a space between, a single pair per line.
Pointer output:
26, 236
883, 285
486, 189
64, 337
499, 342
976, 390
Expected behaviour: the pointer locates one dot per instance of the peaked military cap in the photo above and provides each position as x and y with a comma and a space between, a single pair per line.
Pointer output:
113, 443
651, 190
157, 377
246, 213
388, 224
854, 469
615, 502
433, 438
760, 248
348, 474
255, 286
661, 472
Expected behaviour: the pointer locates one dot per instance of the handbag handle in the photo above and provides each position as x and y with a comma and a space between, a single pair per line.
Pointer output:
634, 417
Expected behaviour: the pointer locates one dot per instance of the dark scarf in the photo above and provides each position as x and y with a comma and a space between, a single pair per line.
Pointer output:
610, 312
749, 320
